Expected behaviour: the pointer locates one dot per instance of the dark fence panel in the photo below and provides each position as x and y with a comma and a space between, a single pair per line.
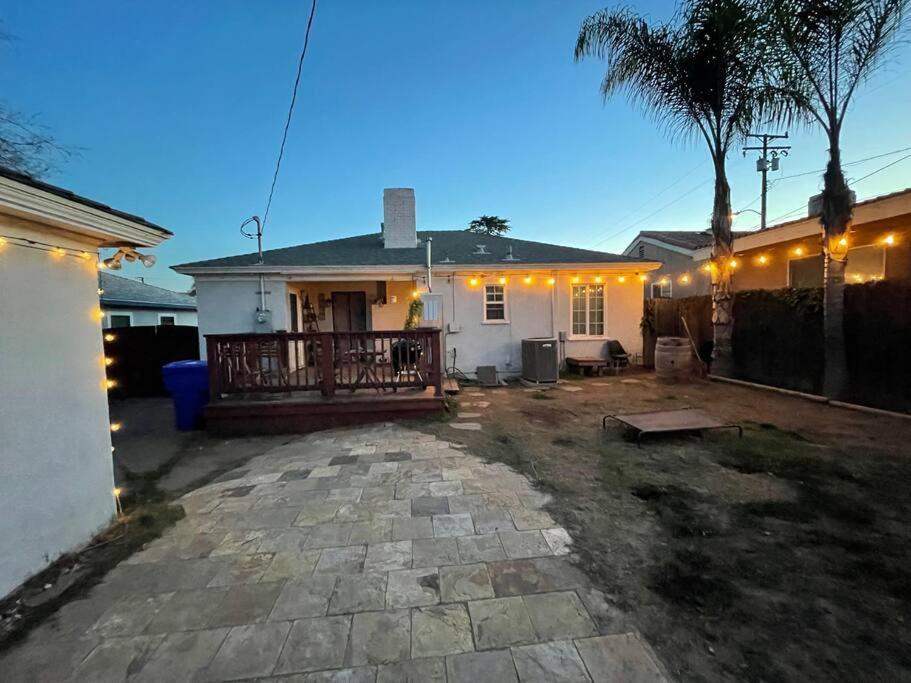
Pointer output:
139, 352
878, 340
778, 338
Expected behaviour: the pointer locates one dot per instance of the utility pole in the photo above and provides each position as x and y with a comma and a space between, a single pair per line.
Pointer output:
765, 162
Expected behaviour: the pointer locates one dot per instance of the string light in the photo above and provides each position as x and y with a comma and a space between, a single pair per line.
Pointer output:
685, 279
575, 279
707, 268
799, 251
98, 314
109, 337
762, 260
734, 263
551, 281
621, 279
599, 279
643, 278
527, 280
415, 294
110, 383
115, 426
843, 242
889, 240
473, 282
502, 280
117, 491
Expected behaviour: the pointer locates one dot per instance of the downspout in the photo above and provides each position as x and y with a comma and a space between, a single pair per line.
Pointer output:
429, 268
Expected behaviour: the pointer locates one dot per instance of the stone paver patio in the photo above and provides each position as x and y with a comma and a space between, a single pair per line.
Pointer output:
373, 554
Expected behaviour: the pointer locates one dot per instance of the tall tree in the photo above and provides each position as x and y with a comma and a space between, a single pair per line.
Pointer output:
489, 225
698, 75
827, 48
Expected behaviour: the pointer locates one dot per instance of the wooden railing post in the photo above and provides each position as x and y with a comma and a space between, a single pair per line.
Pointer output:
327, 364
212, 365
436, 372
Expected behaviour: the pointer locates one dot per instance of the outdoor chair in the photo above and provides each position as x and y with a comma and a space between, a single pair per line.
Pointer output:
617, 355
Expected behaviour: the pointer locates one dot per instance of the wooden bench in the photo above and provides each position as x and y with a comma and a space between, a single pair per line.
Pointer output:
592, 365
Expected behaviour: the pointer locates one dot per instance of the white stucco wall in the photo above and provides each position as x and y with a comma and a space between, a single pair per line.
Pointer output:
229, 305
56, 474
147, 316
534, 310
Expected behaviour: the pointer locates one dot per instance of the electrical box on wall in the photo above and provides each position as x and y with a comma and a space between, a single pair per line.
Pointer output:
263, 317
453, 328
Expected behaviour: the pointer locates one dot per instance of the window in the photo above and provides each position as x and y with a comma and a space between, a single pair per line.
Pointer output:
588, 310
121, 320
433, 310
805, 272
167, 319
864, 264
494, 303
661, 290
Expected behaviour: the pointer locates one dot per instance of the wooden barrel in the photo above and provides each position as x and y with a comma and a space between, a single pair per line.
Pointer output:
673, 359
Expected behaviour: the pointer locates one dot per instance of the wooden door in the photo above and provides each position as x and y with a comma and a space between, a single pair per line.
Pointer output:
349, 311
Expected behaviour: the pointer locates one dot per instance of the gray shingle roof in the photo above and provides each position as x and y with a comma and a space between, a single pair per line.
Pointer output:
73, 197
459, 246
687, 239
124, 292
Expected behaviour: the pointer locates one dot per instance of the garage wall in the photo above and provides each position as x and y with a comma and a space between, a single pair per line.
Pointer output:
56, 474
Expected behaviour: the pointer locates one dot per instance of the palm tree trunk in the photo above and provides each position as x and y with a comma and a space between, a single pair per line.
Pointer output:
722, 290
836, 214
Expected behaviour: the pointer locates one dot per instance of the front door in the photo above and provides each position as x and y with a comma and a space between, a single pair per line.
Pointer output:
349, 311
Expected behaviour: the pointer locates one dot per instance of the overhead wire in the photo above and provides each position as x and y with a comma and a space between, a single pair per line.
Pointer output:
297, 79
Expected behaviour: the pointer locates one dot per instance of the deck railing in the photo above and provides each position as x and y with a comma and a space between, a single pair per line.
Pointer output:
324, 361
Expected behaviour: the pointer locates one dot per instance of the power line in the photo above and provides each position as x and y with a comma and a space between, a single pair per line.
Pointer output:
907, 156
854, 182
653, 213
297, 80
850, 163
651, 199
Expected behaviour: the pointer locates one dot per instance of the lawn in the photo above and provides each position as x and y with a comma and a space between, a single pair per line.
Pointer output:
784, 555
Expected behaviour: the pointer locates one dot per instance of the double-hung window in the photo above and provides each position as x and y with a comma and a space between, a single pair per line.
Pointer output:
588, 310
494, 303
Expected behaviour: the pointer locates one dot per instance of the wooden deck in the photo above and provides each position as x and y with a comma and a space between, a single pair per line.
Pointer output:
302, 382
309, 411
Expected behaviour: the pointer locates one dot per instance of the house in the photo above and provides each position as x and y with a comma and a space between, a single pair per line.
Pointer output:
788, 254
485, 294
128, 302
675, 249
55, 445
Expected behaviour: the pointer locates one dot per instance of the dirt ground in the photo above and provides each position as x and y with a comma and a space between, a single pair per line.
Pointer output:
784, 555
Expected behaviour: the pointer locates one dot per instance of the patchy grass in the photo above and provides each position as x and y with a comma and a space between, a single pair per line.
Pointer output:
785, 555
543, 396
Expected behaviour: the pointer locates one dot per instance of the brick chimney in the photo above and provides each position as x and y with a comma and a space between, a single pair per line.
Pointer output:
399, 227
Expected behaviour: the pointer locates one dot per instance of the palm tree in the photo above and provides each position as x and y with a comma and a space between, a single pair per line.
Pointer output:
699, 75
826, 49
489, 225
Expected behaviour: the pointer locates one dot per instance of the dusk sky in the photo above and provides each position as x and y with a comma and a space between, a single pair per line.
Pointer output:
178, 109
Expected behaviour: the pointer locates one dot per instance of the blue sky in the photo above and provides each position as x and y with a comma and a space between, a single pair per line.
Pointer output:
178, 108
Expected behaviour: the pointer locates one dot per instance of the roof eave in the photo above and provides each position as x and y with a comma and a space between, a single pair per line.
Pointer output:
452, 268
44, 207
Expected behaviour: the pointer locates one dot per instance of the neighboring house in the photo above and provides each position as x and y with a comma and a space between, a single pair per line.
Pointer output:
675, 249
788, 254
485, 293
127, 302
55, 444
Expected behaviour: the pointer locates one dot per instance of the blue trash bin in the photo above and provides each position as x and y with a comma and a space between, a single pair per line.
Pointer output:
188, 382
